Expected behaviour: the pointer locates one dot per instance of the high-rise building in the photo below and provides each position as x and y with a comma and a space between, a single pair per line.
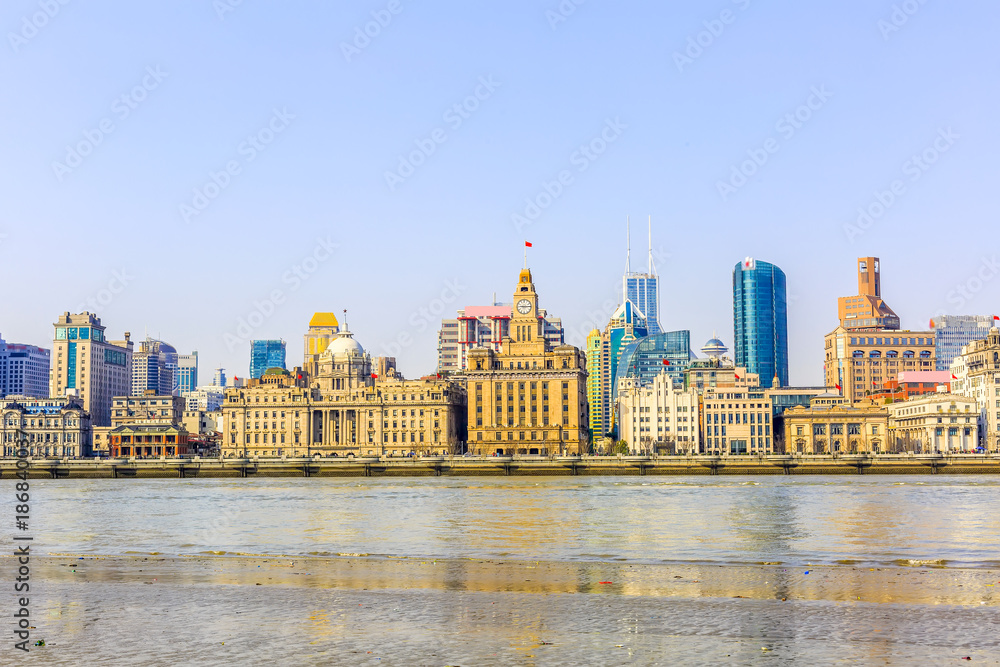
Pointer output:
626, 325
484, 326
24, 370
647, 358
153, 368
265, 354
642, 289
953, 332
186, 375
529, 398
87, 365
219, 379
868, 349
204, 399
866, 309
760, 320
323, 327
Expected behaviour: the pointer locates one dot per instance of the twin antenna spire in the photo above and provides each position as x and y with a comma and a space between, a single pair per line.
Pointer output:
628, 251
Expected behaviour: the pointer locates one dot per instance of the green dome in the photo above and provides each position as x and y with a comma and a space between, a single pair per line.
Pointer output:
275, 371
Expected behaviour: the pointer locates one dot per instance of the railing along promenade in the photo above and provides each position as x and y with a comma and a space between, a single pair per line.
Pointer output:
429, 466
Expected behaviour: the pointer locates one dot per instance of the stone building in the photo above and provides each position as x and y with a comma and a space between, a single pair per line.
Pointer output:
530, 397
831, 425
977, 375
145, 440
934, 423
46, 426
344, 410
658, 417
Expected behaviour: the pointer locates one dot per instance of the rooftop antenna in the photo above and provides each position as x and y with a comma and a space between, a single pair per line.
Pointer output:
652, 269
628, 244
346, 328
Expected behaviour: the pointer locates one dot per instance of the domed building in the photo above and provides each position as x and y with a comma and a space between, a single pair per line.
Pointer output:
344, 365
714, 348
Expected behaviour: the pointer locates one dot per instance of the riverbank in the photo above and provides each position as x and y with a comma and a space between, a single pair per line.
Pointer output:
226, 609
430, 466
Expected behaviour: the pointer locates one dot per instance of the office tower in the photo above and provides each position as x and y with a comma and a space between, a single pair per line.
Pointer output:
868, 348
866, 309
626, 325
265, 354
647, 358
153, 367
323, 327
484, 326
760, 320
953, 332
24, 370
87, 365
219, 380
642, 289
186, 375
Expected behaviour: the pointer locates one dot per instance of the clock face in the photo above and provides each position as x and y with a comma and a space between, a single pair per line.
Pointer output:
524, 306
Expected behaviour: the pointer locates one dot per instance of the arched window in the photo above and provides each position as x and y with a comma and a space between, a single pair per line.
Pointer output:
891, 354
875, 354
925, 354
859, 354
908, 354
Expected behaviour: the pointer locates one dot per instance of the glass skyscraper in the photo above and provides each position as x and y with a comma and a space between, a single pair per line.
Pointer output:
760, 320
644, 358
186, 375
641, 290
951, 332
266, 354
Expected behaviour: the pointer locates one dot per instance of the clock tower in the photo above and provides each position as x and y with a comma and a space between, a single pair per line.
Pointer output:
527, 334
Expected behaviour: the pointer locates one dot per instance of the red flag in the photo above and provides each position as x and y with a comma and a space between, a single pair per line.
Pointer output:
300, 376
666, 362
527, 244
954, 377
996, 317
737, 376
838, 387
374, 376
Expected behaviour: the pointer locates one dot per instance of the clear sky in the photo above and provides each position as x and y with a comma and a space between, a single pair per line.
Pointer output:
115, 116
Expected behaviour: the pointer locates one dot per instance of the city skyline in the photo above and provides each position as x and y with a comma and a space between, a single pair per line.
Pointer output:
806, 154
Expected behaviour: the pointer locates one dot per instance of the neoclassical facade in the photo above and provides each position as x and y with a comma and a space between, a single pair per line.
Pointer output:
344, 410
977, 375
660, 417
934, 423
531, 397
837, 428
46, 426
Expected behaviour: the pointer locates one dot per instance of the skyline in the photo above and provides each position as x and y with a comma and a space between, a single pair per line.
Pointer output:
837, 113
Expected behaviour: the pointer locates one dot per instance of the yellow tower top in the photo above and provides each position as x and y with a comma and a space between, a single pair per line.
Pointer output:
324, 320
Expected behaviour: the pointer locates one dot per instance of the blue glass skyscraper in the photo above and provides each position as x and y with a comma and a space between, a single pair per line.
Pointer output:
760, 320
642, 288
266, 354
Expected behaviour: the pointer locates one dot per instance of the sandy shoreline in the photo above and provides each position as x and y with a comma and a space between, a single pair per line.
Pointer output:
899, 585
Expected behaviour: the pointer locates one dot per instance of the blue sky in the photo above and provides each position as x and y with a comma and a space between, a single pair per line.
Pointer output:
245, 167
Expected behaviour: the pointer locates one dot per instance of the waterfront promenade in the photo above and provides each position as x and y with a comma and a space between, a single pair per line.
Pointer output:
429, 466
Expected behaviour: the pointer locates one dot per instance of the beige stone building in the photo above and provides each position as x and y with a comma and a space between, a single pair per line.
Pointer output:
977, 376
658, 418
830, 425
738, 418
861, 361
147, 409
934, 423
530, 397
86, 364
343, 410
46, 426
